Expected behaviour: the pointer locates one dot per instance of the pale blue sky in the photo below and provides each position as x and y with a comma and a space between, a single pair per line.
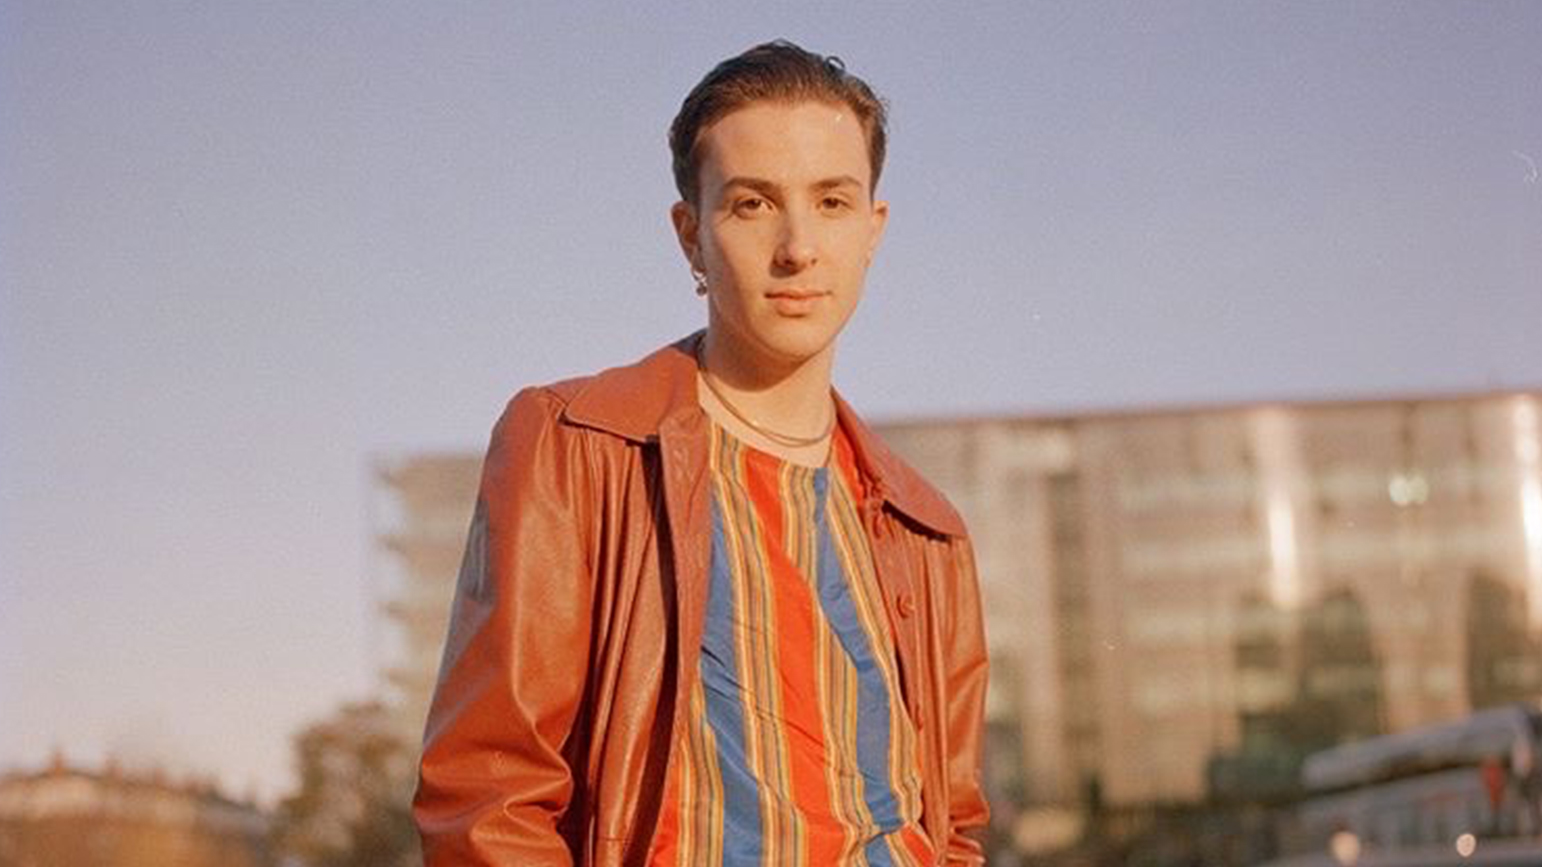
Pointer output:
245, 246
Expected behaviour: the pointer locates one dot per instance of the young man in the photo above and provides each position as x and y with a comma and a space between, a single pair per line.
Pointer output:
705, 616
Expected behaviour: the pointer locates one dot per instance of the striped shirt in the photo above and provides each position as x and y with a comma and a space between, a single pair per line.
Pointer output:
795, 748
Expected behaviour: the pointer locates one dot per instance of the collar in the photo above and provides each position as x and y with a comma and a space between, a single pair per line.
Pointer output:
637, 400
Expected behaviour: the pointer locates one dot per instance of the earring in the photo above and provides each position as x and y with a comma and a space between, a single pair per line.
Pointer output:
701, 281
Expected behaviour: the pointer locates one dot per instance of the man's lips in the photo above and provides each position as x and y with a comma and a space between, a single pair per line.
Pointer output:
795, 294
795, 302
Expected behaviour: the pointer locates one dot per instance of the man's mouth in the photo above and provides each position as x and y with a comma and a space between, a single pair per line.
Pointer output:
794, 302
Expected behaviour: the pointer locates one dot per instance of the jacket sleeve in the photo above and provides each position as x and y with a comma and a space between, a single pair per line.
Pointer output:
493, 782
967, 671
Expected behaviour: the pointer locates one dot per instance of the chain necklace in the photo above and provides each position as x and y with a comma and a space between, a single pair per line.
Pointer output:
775, 436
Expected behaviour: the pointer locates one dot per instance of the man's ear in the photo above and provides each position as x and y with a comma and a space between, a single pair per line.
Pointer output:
880, 221
687, 232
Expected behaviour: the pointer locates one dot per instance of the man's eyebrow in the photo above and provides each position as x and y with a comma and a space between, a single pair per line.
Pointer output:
759, 185
838, 181
768, 188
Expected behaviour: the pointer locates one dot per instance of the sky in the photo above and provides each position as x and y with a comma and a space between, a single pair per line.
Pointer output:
247, 248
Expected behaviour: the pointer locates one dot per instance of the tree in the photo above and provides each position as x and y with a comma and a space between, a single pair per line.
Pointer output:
352, 808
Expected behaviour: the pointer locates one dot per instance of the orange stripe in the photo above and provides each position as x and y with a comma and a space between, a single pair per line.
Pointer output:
916, 844
665, 848
762, 482
755, 571
799, 638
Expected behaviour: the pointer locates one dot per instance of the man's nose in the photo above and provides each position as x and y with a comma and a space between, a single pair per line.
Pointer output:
797, 248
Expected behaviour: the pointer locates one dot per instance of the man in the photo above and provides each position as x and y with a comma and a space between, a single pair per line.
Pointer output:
705, 616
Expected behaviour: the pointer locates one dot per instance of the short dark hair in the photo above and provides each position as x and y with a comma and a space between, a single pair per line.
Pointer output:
778, 72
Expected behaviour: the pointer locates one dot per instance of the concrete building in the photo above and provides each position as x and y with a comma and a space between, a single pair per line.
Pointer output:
1169, 590
421, 511
1162, 585
108, 818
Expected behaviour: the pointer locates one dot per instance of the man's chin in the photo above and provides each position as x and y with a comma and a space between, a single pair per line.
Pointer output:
801, 354
781, 356
782, 346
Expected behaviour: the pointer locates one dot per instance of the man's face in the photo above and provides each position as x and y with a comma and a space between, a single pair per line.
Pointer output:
784, 229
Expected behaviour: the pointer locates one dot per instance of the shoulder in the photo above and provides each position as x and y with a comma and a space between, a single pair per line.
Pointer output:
529, 438
629, 401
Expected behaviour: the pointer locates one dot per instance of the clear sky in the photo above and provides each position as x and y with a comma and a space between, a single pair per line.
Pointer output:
246, 246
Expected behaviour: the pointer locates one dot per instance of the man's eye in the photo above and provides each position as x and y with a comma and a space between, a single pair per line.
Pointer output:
750, 206
834, 203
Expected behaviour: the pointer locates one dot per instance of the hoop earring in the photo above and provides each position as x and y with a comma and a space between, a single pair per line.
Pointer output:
701, 282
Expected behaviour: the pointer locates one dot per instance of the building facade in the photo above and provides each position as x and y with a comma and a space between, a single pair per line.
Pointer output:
108, 818
1170, 590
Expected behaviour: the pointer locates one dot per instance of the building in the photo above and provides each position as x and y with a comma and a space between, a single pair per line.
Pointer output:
108, 818
421, 510
1169, 589
1173, 593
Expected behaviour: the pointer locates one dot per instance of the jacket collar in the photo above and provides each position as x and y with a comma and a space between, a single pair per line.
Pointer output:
637, 400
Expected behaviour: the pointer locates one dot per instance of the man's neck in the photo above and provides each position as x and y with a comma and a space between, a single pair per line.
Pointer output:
791, 400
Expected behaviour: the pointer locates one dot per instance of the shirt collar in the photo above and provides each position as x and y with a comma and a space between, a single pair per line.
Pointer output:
637, 400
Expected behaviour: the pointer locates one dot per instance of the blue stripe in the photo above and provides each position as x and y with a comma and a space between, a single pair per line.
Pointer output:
878, 852
872, 693
725, 711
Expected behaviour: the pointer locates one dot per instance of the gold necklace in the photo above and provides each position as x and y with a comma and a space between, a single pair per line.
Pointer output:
775, 436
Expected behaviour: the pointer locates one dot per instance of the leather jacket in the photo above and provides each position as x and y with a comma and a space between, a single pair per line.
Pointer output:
578, 619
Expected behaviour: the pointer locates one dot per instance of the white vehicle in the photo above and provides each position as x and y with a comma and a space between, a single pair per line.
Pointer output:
1455, 784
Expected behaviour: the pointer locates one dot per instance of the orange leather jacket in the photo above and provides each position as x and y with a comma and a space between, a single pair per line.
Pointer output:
578, 617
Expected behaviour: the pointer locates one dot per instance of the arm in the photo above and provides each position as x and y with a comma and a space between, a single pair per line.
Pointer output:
493, 782
967, 671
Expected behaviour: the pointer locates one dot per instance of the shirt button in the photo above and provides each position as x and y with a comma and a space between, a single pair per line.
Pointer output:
906, 604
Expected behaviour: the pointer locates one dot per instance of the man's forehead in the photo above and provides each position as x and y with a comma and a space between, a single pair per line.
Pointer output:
834, 115
815, 137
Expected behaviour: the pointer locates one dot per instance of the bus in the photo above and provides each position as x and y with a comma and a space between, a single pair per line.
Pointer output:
1433, 788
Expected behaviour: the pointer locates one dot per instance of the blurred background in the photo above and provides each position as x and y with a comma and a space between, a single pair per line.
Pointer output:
1230, 316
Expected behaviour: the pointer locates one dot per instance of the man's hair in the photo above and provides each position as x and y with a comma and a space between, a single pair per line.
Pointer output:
773, 72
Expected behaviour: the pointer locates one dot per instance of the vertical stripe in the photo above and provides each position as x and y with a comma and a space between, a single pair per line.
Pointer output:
706, 806
759, 624
873, 723
798, 641
725, 711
